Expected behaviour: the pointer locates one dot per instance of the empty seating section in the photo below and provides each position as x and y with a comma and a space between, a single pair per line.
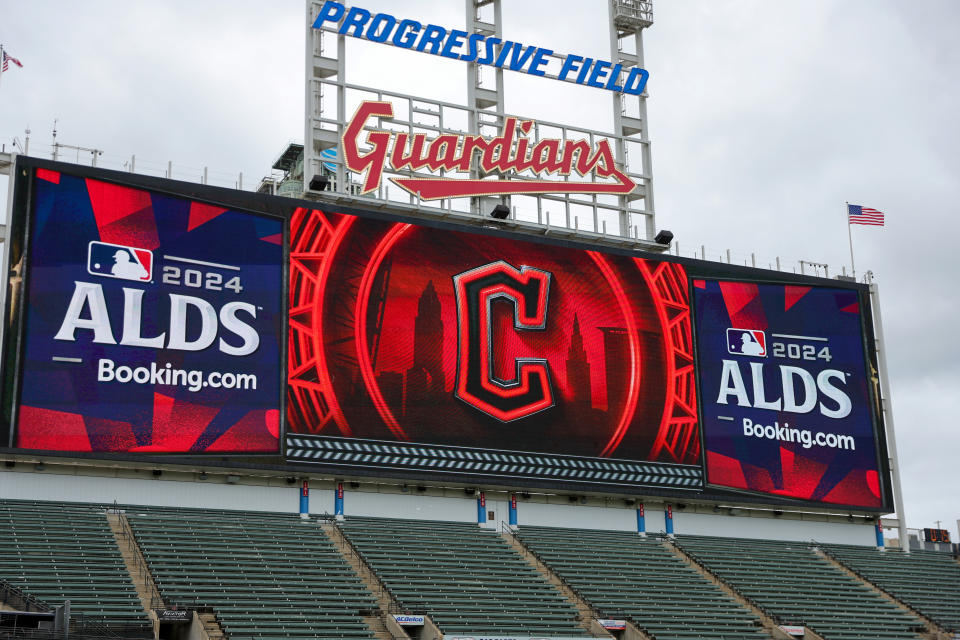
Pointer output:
60, 551
927, 581
625, 576
468, 579
265, 575
795, 586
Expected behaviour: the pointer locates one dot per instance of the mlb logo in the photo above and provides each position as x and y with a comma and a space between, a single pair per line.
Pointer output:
119, 261
747, 342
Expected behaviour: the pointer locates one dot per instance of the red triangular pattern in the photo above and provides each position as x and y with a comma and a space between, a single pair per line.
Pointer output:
852, 308
49, 176
792, 295
854, 489
276, 238
51, 430
257, 431
201, 213
725, 471
112, 203
744, 307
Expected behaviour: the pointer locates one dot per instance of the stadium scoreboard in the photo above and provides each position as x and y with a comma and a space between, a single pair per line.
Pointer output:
151, 319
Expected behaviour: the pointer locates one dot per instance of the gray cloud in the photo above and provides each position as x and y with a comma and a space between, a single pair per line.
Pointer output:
765, 118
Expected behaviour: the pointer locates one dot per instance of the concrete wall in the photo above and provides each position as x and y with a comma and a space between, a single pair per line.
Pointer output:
131, 487
83, 484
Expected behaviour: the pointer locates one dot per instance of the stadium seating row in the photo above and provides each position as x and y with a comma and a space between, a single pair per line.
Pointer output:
466, 578
625, 576
57, 552
926, 581
274, 576
792, 584
264, 575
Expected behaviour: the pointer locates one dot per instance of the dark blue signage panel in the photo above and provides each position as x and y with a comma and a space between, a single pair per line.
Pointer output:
152, 323
784, 391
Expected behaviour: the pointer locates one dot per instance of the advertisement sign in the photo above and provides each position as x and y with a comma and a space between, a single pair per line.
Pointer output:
406, 333
409, 621
150, 323
794, 630
174, 615
612, 625
785, 391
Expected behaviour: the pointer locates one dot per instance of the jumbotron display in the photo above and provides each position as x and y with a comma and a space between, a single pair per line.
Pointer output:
409, 333
149, 319
150, 323
785, 391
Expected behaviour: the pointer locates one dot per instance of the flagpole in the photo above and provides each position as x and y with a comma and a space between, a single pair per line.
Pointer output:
853, 267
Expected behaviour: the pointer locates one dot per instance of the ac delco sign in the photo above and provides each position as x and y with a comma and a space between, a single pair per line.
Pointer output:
511, 151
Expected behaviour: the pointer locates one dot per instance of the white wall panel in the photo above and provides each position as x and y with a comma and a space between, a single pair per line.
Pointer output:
82, 486
409, 505
576, 516
214, 494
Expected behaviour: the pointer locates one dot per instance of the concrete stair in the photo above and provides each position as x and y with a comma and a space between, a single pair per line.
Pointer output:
211, 627
588, 617
385, 601
769, 624
135, 562
933, 630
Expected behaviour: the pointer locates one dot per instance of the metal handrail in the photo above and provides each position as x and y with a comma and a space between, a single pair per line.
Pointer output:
396, 607
603, 614
21, 600
140, 563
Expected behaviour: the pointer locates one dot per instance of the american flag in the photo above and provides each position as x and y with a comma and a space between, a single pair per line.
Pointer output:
864, 215
8, 59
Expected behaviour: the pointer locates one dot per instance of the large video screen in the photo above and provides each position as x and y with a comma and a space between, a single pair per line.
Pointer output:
150, 319
785, 391
403, 333
150, 323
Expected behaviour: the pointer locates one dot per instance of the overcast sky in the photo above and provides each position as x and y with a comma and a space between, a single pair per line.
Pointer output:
765, 117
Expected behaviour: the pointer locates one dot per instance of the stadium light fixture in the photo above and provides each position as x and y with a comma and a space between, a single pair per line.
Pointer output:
319, 183
664, 237
500, 212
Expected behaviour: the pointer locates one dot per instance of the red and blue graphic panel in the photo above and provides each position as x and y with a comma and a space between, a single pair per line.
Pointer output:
152, 323
785, 393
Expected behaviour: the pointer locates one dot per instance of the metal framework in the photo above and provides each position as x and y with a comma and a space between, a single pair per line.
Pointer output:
627, 219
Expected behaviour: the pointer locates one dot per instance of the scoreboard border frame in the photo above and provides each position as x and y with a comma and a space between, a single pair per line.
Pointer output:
18, 210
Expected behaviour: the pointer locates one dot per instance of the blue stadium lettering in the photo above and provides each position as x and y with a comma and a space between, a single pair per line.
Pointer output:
460, 45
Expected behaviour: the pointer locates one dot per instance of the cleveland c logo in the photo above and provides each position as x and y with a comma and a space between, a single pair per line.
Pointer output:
528, 290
